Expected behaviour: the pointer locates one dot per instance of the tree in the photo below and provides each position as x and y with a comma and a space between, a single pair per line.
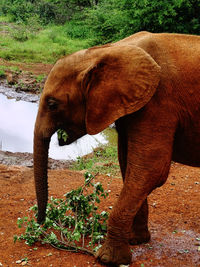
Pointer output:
181, 16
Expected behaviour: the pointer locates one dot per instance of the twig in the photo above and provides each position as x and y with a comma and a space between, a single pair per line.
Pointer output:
86, 184
70, 247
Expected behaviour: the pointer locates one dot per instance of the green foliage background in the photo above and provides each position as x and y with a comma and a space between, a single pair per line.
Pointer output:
61, 27
108, 20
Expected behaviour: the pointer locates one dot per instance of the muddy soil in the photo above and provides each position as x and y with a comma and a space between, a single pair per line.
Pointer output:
174, 218
24, 77
26, 160
34, 68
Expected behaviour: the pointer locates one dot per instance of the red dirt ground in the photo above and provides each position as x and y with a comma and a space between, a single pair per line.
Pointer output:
174, 219
35, 68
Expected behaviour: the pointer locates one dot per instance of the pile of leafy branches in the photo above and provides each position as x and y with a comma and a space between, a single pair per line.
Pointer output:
73, 223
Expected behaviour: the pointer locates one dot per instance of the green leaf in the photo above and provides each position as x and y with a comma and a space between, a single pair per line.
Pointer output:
77, 236
15, 238
62, 134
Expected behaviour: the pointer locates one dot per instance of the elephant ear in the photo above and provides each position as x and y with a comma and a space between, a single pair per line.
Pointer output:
121, 81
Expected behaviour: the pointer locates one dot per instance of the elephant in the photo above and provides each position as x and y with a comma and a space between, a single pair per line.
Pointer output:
148, 84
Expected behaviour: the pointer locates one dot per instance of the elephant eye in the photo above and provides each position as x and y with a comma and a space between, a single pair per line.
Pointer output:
52, 103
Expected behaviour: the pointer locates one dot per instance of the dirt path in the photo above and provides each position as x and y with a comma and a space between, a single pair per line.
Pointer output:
174, 219
35, 68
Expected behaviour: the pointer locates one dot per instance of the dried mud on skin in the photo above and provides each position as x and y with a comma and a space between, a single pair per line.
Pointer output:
174, 218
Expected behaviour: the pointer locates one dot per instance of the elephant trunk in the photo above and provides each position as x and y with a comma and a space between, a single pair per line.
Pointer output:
41, 147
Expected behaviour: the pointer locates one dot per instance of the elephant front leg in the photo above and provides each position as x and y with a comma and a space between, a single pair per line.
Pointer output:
126, 214
126, 225
116, 248
140, 233
146, 170
114, 253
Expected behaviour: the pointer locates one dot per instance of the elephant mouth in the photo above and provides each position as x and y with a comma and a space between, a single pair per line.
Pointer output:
69, 141
71, 138
61, 142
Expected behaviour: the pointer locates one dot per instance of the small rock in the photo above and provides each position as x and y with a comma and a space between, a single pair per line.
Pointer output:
50, 254
11, 79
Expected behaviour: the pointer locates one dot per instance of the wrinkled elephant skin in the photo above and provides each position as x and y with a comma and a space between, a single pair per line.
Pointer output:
149, 85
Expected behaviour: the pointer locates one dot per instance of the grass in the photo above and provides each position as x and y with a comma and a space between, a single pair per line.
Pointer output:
39, 78
11, 68
2, 74
5, 19
103, 160
2, 71
25, 44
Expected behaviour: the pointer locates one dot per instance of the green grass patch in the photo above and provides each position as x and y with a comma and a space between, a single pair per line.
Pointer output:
103, 160
13, 68
5, 19
2, 74
2, 71
46, 45
40, 78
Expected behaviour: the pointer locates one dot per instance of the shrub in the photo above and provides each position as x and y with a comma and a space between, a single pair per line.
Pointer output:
73, 223
20, 33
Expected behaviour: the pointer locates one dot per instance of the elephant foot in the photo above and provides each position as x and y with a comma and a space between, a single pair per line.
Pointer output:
142, 237
115, 255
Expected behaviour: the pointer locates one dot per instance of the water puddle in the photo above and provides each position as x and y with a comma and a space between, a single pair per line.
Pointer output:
17, 118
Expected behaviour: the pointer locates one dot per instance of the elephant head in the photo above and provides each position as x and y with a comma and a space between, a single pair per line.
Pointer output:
84, 93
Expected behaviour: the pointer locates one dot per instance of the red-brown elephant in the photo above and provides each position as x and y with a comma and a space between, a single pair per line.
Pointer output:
149, 85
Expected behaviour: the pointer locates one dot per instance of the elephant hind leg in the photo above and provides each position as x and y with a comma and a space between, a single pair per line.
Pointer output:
140, 230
